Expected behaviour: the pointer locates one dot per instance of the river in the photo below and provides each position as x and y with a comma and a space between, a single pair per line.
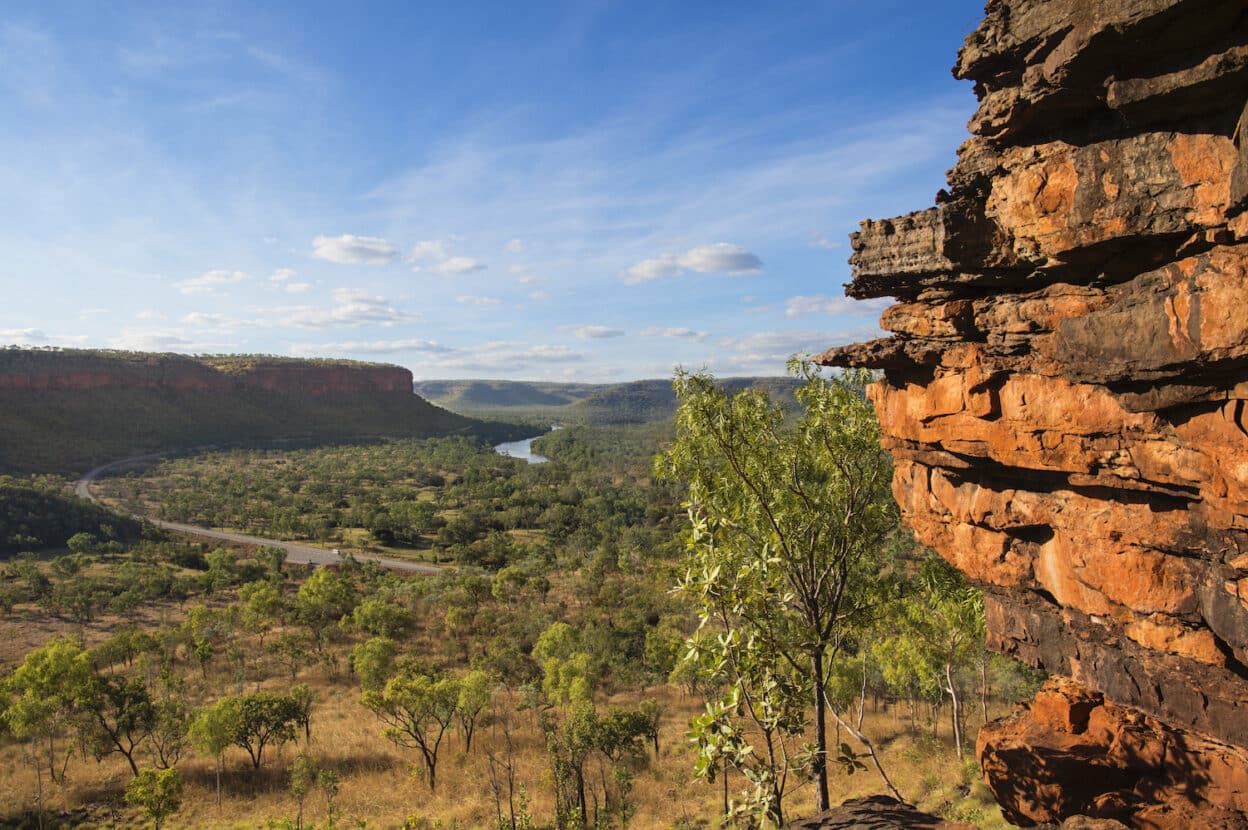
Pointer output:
523, 449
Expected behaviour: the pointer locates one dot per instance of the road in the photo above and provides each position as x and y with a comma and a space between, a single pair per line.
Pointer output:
295, 552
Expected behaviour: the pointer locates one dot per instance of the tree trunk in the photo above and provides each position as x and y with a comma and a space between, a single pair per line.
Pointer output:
983, 686
819, 766
956, 706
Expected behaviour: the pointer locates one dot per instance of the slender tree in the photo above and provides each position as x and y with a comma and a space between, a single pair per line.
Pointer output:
788, 519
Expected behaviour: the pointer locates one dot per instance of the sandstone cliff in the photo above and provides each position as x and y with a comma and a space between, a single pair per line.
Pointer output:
67, 411
1066, 393
39, 370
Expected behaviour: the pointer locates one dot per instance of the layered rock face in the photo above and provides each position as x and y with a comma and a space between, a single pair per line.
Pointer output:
1066, 388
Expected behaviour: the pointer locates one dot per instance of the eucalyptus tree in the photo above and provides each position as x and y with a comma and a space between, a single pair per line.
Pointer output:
934, 634
788, 515
417, 710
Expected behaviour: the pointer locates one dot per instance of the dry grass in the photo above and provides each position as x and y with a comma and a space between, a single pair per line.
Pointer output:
383, 785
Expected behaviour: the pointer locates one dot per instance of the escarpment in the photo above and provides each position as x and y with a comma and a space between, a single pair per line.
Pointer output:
70, 410
40, 370
1065, 393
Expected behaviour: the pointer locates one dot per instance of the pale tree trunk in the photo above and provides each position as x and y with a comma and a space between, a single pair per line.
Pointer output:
956, 706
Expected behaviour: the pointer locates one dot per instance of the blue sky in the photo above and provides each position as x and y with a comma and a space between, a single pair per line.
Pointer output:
583, 191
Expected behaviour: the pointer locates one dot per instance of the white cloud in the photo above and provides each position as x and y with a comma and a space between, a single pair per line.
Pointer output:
203, 318
539, 295
282, 274
459, 265
210, 281
824, 243
529, 279
151, 315
469, 299
351, 308
298, 287
23, 337
720, 258
683, 333
371, 347
593, 332
437, 251
349, 249
514, 246
823, 304
91, 312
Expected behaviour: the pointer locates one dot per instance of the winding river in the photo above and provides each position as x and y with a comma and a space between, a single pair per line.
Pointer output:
523, 449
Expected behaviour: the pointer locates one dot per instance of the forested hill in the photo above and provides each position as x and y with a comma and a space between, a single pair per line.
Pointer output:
65, 411
634, 402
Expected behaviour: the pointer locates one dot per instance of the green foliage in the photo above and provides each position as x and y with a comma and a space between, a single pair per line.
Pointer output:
787, 524
417, 710
48, 691
265, 719
37, 513
382, 618
373, 662
580, 736
157, 792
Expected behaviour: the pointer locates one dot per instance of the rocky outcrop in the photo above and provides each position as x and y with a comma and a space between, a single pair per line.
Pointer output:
1072, 752
1065, 391
877, 812
43, 370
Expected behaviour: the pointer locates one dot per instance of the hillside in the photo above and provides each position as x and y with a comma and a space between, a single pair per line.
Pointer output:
634, 402
68, 410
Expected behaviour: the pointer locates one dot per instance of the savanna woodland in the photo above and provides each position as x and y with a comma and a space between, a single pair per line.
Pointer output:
685, 623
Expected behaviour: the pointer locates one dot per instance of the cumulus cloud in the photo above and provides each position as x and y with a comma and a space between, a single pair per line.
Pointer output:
298, 287
351, 308
593, 332
539, 295
372, 347
349, 249
824, 243
823, 304
514, 246
720, 258
210, 282
683, 333
469, 299
282, 274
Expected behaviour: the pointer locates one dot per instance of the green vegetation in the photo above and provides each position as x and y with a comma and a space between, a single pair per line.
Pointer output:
37, 513
548, 679
786, 564
447, 499
72, 430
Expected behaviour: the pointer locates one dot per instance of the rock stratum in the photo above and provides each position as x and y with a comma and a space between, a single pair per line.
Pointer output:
66, 411
1065, 392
